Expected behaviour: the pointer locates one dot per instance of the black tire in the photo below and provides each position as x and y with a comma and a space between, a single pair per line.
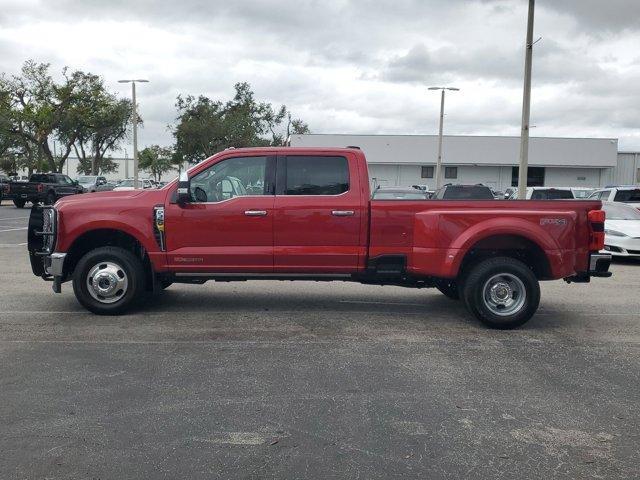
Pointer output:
510, 279
19, 203
128, 265
449, 288
51, 198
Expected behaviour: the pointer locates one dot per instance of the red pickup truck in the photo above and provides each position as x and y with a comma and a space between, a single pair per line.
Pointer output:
307, 214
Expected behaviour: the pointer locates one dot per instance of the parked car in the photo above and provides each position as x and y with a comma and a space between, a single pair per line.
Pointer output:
581, 193
622, 229
545, 193
91, 183
128, 185
463, 192
107, 187
44, 188
313, 220
508, 192
624, 194
4, 181
398, 193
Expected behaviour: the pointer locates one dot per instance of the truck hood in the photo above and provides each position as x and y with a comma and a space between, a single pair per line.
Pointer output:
104, 199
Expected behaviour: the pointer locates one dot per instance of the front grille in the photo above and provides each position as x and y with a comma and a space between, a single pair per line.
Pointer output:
48, 229
41, 236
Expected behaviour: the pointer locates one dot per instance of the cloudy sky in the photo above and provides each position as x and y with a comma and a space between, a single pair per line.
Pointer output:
358, 66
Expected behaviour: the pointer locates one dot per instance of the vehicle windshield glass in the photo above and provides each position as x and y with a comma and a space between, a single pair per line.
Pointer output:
399, 195
126, 183
468, 193
581, 193
629, 196
86, 179
620, 212
551, 195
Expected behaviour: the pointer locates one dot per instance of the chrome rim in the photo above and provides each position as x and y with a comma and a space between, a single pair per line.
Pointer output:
107, 282
504, 294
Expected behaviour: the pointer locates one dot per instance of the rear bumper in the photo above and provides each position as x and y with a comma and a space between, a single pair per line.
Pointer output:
599, 264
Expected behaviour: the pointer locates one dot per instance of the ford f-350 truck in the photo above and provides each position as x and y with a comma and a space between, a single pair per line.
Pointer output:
307, 214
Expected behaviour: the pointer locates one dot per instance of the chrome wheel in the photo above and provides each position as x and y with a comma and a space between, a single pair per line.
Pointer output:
107, 282
504, 294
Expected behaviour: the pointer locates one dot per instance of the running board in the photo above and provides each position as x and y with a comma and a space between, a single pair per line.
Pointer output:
197, 277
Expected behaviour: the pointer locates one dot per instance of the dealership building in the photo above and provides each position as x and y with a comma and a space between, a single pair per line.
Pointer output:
405, 160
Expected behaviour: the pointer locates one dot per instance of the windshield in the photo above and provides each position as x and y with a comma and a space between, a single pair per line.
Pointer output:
126, 183
551, 195
398, 195
582, 193
629, 196
620, 212
86, 179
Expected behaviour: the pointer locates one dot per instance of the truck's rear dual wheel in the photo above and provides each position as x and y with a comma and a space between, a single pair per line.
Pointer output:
19, 203
501, 292
108, 280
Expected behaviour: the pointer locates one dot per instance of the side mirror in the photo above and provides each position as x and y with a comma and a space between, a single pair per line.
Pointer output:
183, 189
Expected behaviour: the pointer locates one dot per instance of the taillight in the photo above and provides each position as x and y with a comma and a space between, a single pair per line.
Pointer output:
40, 188
596, 230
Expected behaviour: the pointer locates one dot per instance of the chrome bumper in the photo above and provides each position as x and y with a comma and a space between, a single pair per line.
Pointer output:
54, 264
599, 264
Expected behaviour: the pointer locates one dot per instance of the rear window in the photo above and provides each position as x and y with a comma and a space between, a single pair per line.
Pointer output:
316, 175
41, 177
629, 196
552, 195
476, 192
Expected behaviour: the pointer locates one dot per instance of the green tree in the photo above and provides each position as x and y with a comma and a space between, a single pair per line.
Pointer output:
205, 126
77, 112
156, 160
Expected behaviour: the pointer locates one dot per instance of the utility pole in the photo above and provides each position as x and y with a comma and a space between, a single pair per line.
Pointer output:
526, 107
439, 159
134, 116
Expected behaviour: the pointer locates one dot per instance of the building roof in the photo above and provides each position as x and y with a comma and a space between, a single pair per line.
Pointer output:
472, 150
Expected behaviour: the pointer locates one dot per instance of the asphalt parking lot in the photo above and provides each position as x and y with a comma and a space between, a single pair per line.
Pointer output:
314, 380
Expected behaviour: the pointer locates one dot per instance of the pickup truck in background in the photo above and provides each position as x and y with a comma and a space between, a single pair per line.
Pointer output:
307, 214
45, 188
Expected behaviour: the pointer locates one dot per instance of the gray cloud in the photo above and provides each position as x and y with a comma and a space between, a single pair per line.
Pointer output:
352, 66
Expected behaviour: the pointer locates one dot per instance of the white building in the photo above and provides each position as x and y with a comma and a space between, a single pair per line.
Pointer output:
404, 160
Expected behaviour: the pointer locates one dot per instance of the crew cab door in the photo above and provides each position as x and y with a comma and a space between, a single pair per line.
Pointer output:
228, 225
318, 214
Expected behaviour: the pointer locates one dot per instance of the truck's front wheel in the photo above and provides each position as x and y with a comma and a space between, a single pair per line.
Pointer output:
108, 280
502, 292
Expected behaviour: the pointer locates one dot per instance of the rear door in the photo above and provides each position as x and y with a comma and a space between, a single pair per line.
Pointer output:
318, 213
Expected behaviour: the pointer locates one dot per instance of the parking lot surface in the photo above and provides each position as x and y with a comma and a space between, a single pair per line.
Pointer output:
314, 380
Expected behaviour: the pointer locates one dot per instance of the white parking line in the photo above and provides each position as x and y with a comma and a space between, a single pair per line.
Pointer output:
13, 244
14, 218
13, 229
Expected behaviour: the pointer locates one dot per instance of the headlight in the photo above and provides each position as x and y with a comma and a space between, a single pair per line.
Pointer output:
614, 233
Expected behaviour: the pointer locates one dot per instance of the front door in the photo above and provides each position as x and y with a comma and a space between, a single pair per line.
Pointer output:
318, 215
228, 225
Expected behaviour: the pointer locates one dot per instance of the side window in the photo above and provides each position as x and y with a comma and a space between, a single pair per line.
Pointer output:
234, 177
316, 175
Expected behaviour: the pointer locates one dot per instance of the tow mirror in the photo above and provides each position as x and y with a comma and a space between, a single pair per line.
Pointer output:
183, 189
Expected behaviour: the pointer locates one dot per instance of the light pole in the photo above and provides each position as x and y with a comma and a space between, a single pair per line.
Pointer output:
523, 169
439, 160
135, 127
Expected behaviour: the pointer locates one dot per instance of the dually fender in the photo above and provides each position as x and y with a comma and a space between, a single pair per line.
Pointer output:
432, 234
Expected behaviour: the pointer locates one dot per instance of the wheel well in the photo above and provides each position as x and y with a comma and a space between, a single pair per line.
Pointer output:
105, 238
513, 246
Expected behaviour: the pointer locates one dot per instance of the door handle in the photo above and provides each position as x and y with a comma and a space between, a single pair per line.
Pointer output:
343, 213
255, 213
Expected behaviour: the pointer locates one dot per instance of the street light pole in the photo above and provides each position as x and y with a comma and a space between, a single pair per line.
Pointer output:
439, 159
134, 116
526, 108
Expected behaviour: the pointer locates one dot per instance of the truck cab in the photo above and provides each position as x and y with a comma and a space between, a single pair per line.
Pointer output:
307, 214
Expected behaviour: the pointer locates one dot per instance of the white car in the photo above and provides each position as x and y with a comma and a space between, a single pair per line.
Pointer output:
128, 184
545, 193
626, 194
621, 229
